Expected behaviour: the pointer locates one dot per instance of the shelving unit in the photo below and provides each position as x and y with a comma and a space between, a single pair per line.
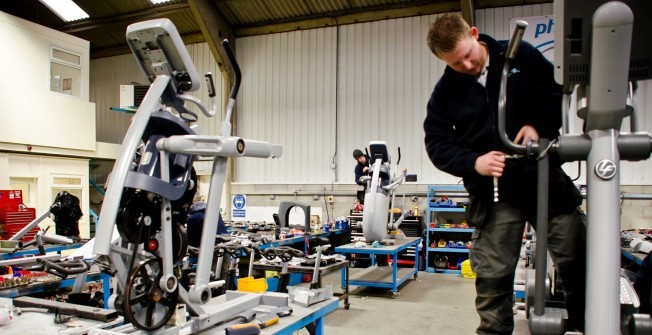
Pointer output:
412, 226
441, 215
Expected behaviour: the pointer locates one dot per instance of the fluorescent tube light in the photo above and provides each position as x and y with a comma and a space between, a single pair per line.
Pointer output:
156, 2
65, 9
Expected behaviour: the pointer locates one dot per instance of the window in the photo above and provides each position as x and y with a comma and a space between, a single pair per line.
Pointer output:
65, 71
28, 188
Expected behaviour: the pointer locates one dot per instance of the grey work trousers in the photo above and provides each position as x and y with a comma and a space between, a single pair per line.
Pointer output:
495, 253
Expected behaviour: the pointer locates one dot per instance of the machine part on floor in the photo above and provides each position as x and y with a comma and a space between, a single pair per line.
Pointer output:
305, 297
381, 187
308, 296
64, 268
28, 262
146, 304
49, 238
153, 179
232, 253
314, 283
285, 254
530, 280
640, 324
65, 308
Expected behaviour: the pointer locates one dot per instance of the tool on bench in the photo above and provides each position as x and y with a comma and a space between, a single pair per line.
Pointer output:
257, 318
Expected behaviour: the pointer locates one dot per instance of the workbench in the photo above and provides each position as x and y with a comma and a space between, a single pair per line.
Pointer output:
58, 248
390, 277
636, 257
303, 239
343, 265
52, 286
32, 322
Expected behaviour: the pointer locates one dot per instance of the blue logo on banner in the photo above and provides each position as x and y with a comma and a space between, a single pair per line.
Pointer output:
239, 201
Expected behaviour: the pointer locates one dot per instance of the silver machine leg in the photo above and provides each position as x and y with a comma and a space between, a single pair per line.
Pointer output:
610, 46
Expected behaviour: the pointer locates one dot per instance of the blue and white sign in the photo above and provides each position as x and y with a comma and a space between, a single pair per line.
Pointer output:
539, 33
239, 203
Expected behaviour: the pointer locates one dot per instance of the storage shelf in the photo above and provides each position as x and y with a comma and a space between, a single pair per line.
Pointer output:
446, 209
458, 250
452, 230
447, 214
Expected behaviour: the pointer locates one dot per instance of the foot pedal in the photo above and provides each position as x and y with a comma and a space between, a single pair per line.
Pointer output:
628, 297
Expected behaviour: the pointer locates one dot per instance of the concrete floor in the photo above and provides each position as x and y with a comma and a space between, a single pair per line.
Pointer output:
431, 304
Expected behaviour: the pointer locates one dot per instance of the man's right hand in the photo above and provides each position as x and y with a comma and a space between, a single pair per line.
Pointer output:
491, 164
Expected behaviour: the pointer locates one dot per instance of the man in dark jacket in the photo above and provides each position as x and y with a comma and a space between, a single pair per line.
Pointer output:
361, 169
195, 223
461, 138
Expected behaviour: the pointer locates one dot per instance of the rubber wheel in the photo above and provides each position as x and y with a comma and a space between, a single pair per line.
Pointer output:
146, 305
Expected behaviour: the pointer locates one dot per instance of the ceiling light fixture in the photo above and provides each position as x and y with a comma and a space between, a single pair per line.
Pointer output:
156, 2
66, 9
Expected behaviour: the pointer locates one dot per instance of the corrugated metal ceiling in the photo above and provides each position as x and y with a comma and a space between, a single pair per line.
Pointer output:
109, 18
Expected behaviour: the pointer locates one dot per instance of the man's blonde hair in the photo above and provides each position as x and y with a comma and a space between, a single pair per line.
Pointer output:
445, 32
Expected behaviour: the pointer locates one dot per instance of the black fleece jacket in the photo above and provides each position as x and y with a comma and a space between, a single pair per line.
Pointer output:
461, 123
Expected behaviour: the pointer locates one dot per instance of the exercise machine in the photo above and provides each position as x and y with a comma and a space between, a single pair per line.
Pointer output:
381, 187
600, 46
153, 181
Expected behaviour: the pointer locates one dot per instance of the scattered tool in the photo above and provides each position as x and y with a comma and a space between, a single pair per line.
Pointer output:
251, 328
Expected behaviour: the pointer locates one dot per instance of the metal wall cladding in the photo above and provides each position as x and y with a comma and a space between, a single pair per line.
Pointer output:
323, 92
288, 97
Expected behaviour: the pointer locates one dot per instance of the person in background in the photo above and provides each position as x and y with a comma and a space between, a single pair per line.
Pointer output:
461, 139
195, 223
361, 169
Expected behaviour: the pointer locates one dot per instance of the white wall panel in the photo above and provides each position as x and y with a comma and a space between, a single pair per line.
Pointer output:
107, 74
33, 112
288, 97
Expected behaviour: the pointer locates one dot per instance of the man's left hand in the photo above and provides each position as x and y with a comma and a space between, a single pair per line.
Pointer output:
527, 133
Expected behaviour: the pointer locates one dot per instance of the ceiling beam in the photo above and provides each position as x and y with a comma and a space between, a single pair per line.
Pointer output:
215, 29
507, 3
349, 17
124, 19
468, 12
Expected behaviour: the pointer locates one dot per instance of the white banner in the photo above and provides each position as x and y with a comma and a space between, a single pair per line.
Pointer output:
539, 33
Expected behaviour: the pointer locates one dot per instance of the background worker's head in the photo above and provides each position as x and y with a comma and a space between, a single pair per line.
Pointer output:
452, 40
359, 156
